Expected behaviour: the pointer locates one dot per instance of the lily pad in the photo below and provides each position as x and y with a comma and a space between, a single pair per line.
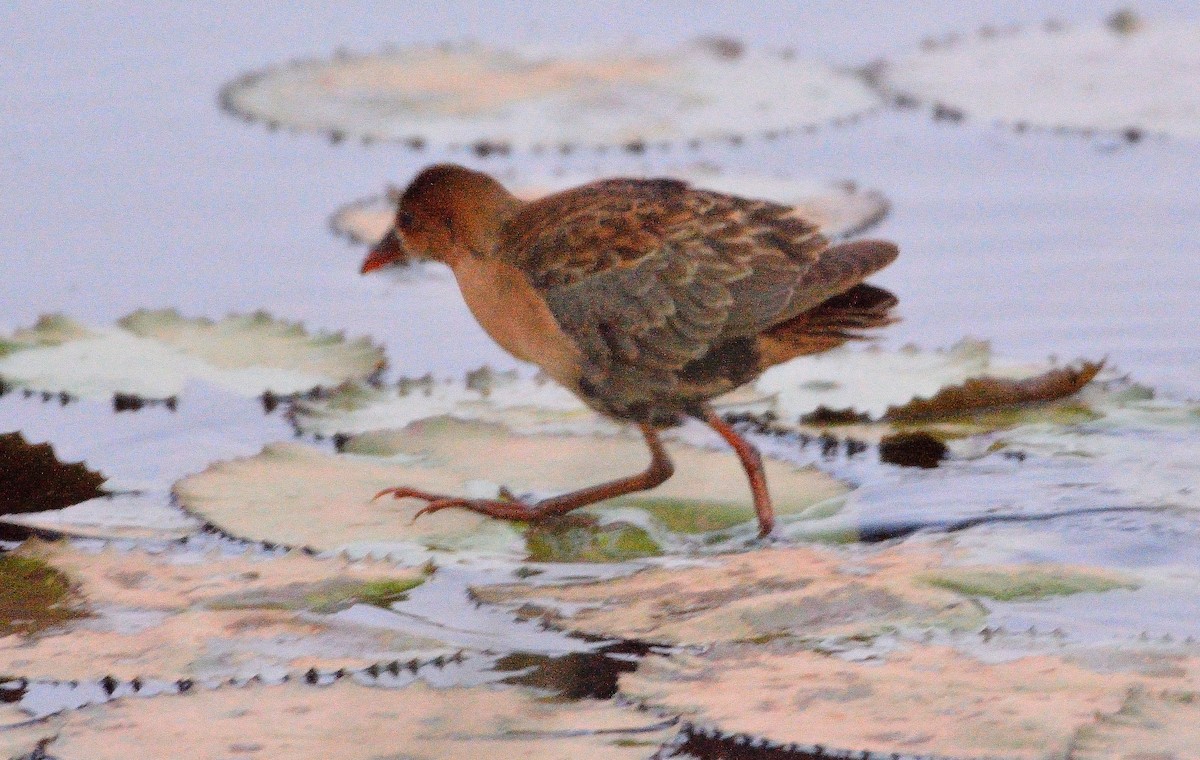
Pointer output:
1133, 77
34, 596
33, 480
154, 354
496, 100
839, 209
920, 700
180, 615
348, 721
1149, 725
803, 594
297, 495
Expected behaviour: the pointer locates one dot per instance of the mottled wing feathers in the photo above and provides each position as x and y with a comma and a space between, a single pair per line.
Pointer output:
647, 276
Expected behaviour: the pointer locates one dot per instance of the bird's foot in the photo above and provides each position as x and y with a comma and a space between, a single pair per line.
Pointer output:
507, 507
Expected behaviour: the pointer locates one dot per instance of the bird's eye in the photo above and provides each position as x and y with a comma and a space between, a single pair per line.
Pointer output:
404, 220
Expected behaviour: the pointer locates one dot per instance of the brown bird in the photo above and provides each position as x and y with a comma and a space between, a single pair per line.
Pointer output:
645, 297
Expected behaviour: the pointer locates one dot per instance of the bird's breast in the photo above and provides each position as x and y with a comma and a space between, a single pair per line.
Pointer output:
515, 315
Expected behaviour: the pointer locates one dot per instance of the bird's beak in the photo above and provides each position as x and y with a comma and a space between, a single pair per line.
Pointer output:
387, 251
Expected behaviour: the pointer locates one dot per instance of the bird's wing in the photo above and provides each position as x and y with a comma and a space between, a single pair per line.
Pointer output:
652, 273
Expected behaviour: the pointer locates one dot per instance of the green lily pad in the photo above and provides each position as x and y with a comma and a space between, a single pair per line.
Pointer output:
34, 596
154, 354
495, 100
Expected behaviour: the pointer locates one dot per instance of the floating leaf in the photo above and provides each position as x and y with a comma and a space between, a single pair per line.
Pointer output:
497, 100
810, 594
1123, 77
347, 721
1151, 724
920, 700
152, 355
299, 496
840, 209
33, 480
34, 596
170, 616
991, 393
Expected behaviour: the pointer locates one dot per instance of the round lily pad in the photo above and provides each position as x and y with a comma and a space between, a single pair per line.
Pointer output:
1128, 75
918, 701
154, 354
495, 99
839, 209
171, 616
298, 495
802, 594
348, 721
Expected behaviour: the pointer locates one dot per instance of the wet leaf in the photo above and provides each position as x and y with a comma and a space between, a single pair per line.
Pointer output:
1088, 77
348, 721
1152, 724
34, 596
496, 100
296, 495
152, 355
919, 700
990, 393
1027, 583
761, 596
177, 615
33, 480
919, 449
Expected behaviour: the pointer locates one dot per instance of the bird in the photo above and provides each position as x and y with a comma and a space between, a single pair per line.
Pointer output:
645, 297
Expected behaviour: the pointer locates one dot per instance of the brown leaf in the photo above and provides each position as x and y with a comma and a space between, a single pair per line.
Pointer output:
989, 393
33, 480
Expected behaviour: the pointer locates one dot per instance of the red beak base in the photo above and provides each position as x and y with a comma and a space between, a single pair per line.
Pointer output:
384, 253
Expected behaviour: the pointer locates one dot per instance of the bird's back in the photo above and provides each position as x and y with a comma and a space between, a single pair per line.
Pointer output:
675, 294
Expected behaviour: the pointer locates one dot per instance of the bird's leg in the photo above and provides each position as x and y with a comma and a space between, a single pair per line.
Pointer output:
752, 462
511, 509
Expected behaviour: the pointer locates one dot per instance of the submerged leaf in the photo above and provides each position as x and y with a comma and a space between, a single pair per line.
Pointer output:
991, 393
1152, 724
1027, 583
348, 721
34, 596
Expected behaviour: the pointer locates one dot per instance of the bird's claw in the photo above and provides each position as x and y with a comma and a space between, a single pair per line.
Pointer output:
506, 507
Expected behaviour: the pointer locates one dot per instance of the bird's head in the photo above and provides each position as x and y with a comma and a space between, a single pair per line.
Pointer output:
447, 213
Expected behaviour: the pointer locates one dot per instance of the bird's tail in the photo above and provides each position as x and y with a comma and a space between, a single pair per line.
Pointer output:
833, 322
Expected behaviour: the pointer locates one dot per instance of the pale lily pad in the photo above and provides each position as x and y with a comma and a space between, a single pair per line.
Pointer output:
801, 594
495, 100
921, 700
1131, 77
348, 721
840, 209
1150, 725
297, 495
173, 616
154, 354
